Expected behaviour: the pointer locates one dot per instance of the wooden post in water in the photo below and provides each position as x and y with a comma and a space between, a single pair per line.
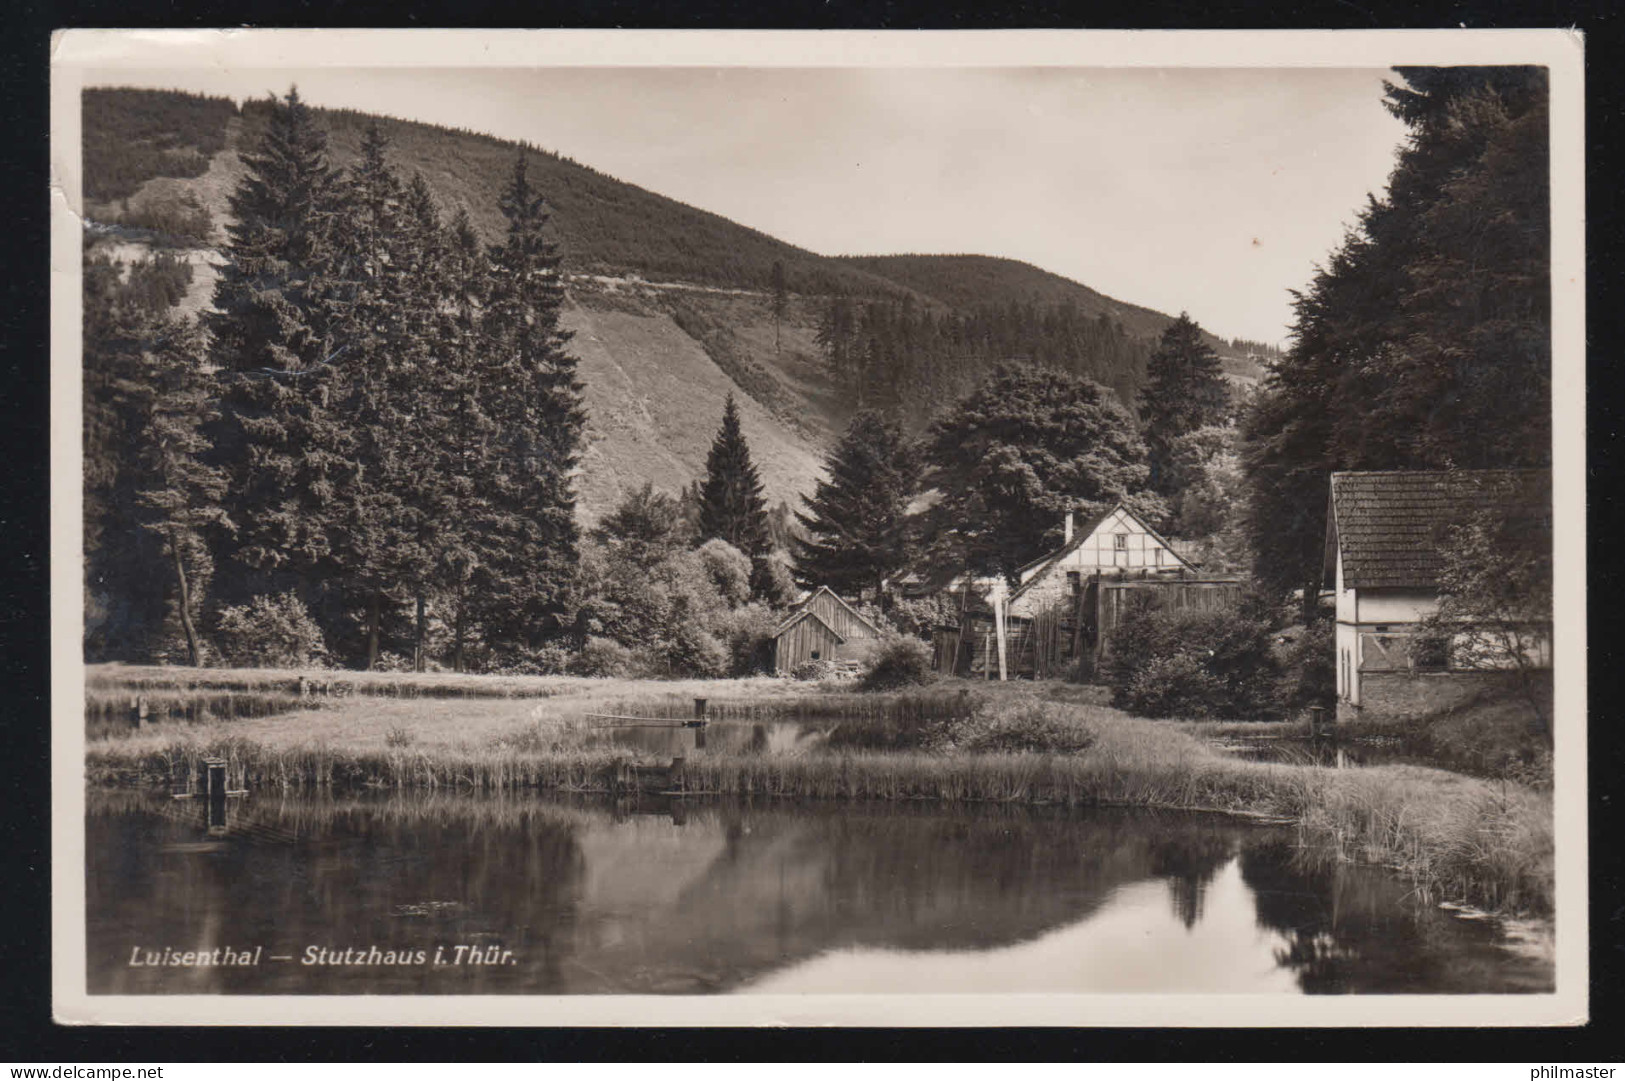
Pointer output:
214, 788
138, 711
675, 776
699, 709
1317, 721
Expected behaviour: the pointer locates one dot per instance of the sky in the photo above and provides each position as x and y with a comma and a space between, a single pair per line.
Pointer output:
1212, 191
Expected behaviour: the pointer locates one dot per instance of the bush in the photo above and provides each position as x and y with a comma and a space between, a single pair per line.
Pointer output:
552, 659
604, 657
695, 651
270, 632
1308, 669
1176, 685
898, 662
1041, 727
1215, 663
748, 633
728, 568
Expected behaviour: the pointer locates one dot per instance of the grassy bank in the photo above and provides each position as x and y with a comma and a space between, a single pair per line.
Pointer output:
1485, 843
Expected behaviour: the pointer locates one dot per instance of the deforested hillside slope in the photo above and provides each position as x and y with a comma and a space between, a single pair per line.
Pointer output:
654, 400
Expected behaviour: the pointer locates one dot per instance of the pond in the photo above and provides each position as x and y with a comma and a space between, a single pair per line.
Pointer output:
523, 894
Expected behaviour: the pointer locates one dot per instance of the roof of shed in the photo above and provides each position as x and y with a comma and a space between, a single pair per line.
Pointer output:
1388, 525
808, 613
807, 600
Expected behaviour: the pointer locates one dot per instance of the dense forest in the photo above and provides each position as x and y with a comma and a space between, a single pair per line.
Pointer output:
131, 136
897, 357
1425, 340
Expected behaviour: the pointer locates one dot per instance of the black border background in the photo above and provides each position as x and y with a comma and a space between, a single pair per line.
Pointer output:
27, 1033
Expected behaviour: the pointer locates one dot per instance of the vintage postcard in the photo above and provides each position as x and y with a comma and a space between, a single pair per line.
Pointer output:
975, 529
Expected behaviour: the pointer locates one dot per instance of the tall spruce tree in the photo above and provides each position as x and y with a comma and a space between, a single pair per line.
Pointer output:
149, 498
530, 394
280, 438
366, 307
856, 522
1184, 391
462, 523
731, 502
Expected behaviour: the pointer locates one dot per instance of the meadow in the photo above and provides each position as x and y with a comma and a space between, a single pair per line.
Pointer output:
1463, 839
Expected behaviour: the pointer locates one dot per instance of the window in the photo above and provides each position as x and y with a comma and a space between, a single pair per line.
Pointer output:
1120, 541
815, 654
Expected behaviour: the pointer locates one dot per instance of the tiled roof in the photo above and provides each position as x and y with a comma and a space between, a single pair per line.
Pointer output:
1388, 525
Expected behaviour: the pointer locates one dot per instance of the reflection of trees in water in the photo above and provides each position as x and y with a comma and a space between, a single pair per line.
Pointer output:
399, 874
1189, 861
1355, 929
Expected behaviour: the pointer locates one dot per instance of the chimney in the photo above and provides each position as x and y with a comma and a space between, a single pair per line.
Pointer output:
1067, 539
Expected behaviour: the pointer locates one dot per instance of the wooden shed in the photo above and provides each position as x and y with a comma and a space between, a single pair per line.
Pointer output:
805, 637
822, 627
837, 614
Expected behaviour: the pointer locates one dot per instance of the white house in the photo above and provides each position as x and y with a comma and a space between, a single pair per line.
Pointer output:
1383, 533
1117, 542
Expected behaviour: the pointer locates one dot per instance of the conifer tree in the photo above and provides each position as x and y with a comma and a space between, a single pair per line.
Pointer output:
731, 502
530, 394
279, 436
373, 304
1425, 340
182, 496
1184, 391
856, 521
149, 497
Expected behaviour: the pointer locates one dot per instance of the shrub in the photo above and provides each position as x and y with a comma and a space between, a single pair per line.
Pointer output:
728, 568
552, 659
898, 662
1173, 685
1308, 669
1215, 663
748, 633
603, 657
1041, 727
270, 632
398, 737
695, 651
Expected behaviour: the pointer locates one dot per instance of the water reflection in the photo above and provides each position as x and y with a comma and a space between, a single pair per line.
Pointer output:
652, 895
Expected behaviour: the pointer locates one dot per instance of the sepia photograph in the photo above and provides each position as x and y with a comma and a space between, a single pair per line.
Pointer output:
1052, 528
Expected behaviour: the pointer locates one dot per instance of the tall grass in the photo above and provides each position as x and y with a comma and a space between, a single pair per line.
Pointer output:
1483, 842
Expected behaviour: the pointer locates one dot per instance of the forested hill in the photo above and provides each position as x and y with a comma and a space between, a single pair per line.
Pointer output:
659, 354
968, 281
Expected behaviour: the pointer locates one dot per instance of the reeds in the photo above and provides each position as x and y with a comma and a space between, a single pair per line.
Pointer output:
1483, 842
